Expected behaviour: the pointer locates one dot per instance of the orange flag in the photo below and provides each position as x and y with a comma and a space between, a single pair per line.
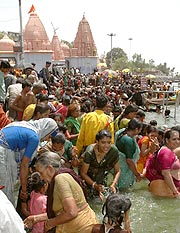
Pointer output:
32, 9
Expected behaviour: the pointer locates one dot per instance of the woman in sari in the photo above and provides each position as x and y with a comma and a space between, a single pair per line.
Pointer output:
73, 125
129, 153
67, 209
99, 159
163, 168
148, 144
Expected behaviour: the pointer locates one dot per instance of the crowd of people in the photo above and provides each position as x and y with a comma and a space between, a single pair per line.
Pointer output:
68, 138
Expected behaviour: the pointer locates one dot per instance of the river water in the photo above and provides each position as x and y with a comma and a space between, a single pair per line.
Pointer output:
151, 214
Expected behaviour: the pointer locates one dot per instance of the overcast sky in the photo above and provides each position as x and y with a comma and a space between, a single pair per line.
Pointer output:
153, 25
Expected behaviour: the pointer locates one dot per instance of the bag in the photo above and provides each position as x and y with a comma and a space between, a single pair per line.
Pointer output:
153, 171
40, 74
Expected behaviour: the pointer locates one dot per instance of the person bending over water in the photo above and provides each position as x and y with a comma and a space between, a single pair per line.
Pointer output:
99, 158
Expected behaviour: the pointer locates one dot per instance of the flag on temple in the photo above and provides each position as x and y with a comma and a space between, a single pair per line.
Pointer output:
32, 9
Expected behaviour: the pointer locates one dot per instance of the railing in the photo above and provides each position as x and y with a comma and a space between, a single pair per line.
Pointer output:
165, 100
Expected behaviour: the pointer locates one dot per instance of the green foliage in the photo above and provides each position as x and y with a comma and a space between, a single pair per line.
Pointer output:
116, 53
163, 68
120, 64
70, 44
137, 64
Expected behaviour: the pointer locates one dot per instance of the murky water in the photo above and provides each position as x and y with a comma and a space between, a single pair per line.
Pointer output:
151, 214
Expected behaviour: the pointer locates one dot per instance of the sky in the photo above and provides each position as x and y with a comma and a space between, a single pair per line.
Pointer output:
153, 25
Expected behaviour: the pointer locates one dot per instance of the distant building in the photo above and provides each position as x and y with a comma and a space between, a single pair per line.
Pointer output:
84, 53
39, 49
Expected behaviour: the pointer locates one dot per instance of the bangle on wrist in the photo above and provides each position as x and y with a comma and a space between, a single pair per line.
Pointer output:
35, 219
93, 184
47, 224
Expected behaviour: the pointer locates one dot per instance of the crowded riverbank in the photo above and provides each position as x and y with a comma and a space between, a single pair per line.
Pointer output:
71, 131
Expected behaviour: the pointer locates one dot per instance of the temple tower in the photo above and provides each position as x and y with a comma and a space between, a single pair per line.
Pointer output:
84, 53
58, 54
84, 43
37, 47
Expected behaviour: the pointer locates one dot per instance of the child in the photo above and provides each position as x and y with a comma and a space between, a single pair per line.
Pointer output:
115, 211
38, 200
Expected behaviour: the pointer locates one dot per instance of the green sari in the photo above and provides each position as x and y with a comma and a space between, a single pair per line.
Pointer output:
73, 127
129, 145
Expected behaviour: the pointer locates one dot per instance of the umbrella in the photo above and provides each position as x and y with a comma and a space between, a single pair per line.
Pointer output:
126, 70
109, 73
99, 65
150, 76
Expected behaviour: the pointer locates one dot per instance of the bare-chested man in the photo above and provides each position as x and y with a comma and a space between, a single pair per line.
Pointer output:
22, 100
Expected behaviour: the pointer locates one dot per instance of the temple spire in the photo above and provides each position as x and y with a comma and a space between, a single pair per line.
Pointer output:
84, 42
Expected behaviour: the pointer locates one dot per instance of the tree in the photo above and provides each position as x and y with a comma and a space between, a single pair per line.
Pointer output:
163, 68
70, 44
120, 64
116, 54
151, 63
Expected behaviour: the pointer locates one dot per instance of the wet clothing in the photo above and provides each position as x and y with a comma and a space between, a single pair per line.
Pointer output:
98, 171
165, 159
128, 149
142, 160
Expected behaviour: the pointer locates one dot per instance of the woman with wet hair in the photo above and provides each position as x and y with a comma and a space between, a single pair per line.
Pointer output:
129, 153
99, 159
116, 211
